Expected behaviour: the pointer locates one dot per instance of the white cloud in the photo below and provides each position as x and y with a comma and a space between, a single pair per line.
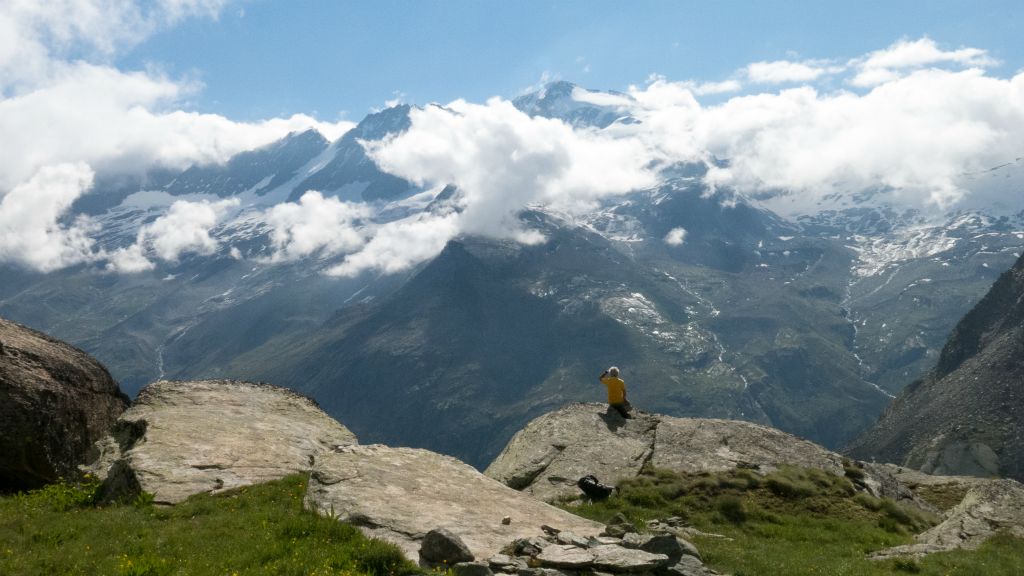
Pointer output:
675, 237
37, 37
184, 229
65, 112
115, 121
398, 245
603, 99
785, 71
892, 62
912, 138
723, 87
502, 160
129, 260
315, 225
30, 233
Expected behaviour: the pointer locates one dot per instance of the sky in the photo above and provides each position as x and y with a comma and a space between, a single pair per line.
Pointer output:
811, 103
340, 59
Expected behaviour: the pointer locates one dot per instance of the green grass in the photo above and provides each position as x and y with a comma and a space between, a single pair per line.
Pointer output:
260, 529
794, 521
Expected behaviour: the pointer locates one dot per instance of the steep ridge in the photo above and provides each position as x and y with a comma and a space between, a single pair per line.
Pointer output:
55, 401
966, 416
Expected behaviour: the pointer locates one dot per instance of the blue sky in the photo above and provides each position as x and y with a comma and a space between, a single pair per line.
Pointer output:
267, 58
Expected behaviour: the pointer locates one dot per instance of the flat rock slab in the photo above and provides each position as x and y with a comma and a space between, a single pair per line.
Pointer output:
184, 438
566, 556
712, 445
400, 494
619, 559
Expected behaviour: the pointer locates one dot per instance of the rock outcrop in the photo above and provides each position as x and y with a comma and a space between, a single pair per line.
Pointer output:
184, 438
552, 452
990, 506
55, 402
401, 494
660, 552
967, 416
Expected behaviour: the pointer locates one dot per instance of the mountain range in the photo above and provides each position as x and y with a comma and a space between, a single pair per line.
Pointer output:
810, 322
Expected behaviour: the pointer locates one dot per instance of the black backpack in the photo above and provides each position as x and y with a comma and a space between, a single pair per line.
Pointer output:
594, 489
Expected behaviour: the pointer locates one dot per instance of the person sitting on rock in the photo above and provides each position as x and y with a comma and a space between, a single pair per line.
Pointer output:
616, 391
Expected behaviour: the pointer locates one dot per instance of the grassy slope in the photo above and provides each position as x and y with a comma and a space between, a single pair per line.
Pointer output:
794, 522
256, 530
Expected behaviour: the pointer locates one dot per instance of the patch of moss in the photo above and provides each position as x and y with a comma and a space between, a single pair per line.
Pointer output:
942, 496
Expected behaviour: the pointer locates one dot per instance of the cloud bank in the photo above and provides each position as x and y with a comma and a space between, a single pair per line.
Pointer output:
905, 122
66, 113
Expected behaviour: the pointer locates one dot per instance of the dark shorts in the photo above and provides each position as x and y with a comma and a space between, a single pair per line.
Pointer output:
622, 408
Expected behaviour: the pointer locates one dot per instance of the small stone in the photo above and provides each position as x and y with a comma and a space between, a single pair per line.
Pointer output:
471, 569
529, 546
689, 566
619, 559
565, 556
666, 544
440, 546
688, 548
550, 530
506, 520
618, 526
572, 539
506, 563
543, 572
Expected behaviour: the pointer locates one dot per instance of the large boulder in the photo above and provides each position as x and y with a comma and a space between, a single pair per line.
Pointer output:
401, 494
55, 402
184, 438
549, 455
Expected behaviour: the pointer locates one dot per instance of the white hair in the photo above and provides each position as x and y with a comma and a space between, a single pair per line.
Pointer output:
613, 371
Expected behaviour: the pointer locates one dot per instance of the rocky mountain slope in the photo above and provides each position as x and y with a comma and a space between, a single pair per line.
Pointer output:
55, 402
965, 416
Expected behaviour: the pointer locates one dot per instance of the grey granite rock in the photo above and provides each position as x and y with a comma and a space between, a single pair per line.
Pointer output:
667, 544
553, 451
184, 438
549, 455
400, 494
440, 546
566, 556
619, 559
689, 566
55, 402
472, 569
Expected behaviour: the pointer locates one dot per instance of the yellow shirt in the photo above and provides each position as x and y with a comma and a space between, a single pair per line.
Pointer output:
616, 389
